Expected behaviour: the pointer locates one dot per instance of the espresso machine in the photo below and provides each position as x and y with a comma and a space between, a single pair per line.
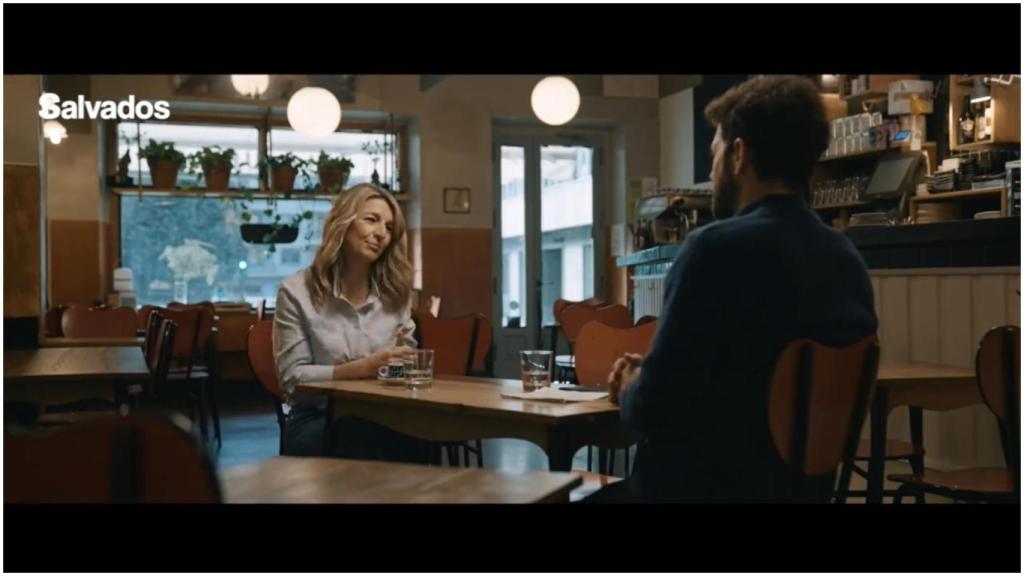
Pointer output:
667, 217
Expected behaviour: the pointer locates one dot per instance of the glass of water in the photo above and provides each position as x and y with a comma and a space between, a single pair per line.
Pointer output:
419, 369
536, 369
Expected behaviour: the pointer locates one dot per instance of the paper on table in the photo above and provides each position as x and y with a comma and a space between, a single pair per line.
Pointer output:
552, 395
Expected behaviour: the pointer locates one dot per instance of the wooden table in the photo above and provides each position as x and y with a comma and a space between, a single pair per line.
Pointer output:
918, 385
289, 480
457, 409
136, 341
61, 375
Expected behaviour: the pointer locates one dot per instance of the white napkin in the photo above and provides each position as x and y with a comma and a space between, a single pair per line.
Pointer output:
553, 395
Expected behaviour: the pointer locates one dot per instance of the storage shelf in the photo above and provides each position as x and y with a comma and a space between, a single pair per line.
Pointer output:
981, 145
940, 196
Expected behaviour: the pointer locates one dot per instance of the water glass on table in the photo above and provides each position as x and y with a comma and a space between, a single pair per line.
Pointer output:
419, 369
536, 369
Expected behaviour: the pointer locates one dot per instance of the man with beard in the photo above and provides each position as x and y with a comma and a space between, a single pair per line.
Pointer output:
767, 272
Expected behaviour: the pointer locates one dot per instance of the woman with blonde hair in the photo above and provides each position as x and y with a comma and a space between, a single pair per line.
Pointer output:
342, 318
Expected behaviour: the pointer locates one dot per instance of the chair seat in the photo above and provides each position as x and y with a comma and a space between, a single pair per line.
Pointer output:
894, 450
971, 481
592, 482
71, 418
565, 360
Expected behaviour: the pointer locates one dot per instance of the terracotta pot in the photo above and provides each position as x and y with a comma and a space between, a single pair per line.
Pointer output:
282, 179
164, 173
332, 179
217, 178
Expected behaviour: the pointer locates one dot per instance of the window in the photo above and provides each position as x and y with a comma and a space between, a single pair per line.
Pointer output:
368, 151
189, 138
189, 248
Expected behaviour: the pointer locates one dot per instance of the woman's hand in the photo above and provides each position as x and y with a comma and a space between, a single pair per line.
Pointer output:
385, 356
366, 368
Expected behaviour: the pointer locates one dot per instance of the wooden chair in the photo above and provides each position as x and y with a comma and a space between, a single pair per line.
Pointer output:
143, 315
462, 347
645, 319
997, 365
261, 310
573, 318
817, 401
192, 355
142, 458
598, 346
83, 322
557, 331
261, 360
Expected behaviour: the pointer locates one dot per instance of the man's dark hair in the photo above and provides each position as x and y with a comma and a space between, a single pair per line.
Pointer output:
782, 120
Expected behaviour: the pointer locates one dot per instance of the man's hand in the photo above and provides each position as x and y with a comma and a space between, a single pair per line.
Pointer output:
625, 371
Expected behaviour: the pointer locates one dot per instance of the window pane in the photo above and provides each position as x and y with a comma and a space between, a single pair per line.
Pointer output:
567, 218
513, 226
189, 138
197, 241
365, 150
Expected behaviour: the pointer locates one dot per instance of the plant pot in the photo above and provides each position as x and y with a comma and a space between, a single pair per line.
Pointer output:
217, 178
264, 234
332, 179
282, 179
164, 173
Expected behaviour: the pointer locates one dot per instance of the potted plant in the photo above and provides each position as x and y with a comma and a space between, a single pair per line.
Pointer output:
164, 163
333, 172
214, 165
283, 170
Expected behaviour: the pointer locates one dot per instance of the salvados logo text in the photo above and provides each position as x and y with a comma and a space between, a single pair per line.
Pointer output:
51, 108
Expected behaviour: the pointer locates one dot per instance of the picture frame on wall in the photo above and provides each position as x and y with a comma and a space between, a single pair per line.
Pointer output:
456, 200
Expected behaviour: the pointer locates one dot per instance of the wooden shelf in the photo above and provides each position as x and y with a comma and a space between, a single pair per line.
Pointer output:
841, 206
940, 196
203, 193
981, 145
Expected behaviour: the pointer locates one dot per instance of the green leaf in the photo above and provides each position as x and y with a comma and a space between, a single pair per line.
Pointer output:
308, 214
246, 216
268, 212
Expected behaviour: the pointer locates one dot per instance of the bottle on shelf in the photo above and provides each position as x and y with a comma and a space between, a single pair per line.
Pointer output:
966, 122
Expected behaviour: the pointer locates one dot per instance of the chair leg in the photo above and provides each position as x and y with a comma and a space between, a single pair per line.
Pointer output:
917, 438
453, 458
602, 461
625, 471
214, 411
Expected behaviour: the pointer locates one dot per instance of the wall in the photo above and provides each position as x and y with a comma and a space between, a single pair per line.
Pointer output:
675, 115
22, 222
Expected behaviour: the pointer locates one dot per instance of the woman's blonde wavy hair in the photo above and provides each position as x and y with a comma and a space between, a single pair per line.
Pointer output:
392, 272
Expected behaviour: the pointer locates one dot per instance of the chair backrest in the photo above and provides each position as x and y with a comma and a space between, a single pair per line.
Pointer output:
160, 352
82, 322
575, 316
645, 319
997, 365
195, 324
460, 344
599, 345
143, 314
817, 400
261, 310
261, 357
52, 321
142, 458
